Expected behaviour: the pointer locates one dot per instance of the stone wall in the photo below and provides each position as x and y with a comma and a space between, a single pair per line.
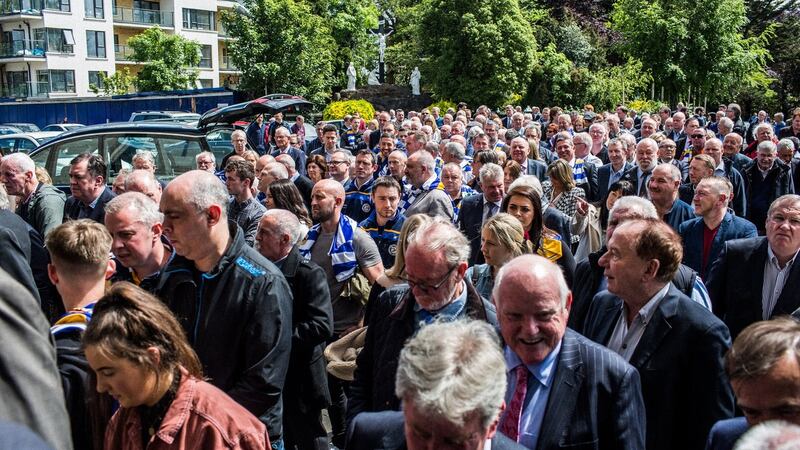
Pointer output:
389, 96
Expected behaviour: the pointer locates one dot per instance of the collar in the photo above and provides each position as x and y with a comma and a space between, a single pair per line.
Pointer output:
33, 192
774, 259
452, 309
97, 199
720, 166
498, 204
648, 310
543, 371
294, 177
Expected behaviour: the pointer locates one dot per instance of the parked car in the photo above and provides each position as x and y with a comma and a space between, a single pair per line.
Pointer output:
62, 127
24, 127
165, 116
5, 129
25, 142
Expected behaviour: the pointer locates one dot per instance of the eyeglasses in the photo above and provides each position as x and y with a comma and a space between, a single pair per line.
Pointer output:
698, 136
666, 146
336, 163
426, 287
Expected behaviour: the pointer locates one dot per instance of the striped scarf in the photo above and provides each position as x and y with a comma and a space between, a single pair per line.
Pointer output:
342, 253
578, 172
411, 194
73, 320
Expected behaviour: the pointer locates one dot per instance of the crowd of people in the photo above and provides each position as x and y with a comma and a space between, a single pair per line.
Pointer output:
536, 279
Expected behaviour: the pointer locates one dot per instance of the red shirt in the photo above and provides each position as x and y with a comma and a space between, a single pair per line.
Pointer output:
708, 239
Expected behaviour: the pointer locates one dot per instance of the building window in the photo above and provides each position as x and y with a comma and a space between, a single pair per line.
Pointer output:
144, 4
60, 5
196, 19
205, 84
205, 56
96, 44
56, 40
95, 80
59, 80
94, 8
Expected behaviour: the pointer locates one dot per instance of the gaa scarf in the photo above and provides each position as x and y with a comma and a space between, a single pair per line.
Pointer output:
411, 194
342, 253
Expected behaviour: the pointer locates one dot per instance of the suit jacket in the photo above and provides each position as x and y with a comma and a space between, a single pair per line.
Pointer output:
632, 175
304, 185
725, 433
72, 207
432, 203
692, 230
312, 325
680, 361
590, 188
595, 401
603, 175
558, 222
297, 155
470, 222
538, 168
736, 279
385, 430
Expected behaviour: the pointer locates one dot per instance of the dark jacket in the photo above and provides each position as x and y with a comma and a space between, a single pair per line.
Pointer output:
603, 175
739, 201
73, 206
74, 371
470, 222
691, 232
679, 213
725, 433
304, 185
736, 280
297, 155
762, 191
237, 319
558, 222
45, 210
15, 251
391, 324
680, 361
538, 168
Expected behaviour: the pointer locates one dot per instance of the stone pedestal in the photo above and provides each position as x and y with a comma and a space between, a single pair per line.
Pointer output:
389, 96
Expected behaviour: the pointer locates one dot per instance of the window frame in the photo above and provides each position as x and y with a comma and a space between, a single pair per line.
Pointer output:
99, 44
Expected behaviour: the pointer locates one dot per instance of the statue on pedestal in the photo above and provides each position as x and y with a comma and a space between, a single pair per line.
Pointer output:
415, 76
351, 77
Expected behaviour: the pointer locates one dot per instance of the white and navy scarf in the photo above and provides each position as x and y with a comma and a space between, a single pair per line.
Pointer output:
578, 172
411, 194
342, 252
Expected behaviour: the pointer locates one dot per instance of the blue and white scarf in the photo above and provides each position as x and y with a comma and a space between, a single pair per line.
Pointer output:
342, 252
578, 172
411, 194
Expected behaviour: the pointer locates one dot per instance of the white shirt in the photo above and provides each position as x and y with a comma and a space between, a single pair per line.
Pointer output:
774, 281
624, 339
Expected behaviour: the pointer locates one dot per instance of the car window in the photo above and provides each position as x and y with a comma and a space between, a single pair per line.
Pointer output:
51, 128
142, 117
65, 152
25, 145
122, 148
179, 155
7, 145
220, 142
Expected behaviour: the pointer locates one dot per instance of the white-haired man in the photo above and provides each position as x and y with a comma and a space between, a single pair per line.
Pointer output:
425, 195
40, 205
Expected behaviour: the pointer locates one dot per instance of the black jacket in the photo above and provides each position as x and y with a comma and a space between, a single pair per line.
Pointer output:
238, 319
74, 371
391, 324
312, 326
72, 207
762, 191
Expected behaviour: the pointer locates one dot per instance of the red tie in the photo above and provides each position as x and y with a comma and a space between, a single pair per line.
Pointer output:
510, 426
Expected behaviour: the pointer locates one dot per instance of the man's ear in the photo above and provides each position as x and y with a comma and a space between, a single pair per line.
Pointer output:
214, 214
111, 269
490, 433
52, 273
652, 268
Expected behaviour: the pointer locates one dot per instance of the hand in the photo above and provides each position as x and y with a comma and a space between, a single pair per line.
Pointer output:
582, 206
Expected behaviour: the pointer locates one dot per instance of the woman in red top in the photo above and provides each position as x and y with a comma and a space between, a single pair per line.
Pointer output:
141, 357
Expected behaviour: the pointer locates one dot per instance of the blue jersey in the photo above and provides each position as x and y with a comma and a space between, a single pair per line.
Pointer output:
384, 236
357, 200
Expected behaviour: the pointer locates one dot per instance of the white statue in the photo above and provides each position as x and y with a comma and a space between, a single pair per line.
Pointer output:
351, 77
415, 76
372, 79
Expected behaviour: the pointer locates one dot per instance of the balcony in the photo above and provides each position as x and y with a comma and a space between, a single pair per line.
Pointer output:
22, 50
226, 65
123, 53
20, 9
26, 90
144, 17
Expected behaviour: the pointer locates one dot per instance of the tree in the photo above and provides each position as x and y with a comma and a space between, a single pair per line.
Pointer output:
478, 51
282, 46
119, 83
169, 60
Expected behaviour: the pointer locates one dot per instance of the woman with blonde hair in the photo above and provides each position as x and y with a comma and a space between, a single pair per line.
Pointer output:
502, 240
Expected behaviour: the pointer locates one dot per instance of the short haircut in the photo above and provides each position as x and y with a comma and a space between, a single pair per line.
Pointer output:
243, 169
452, 370
673, 171
721, 185
276, 170
287, 161
770, 435
534, 264
440, 235
95, 166
583, 138
206, 153
486, 157
617, 141
80, 247
635, 207
726, 122
783, 143
761, 346
658, 241
207, 190
147, 212
386, 182
140, 175
707, 160
285, 223
455, 150
330, 127
767, 147
791, 201
144, 155
425, 159
491, 171
23, 163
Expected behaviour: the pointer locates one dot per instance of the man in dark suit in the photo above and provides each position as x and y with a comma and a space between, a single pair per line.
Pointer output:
585, 174
520, 149
705, 235
613, 171
676, 344
306, 387
477, 209
282, 146
451, 379
646, 161
759, 278
303, 183
582, 392
87, 174
763, 368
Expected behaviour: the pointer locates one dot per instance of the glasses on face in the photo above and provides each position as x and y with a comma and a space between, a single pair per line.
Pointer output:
427, 287
697, 136
666, 146
336, 163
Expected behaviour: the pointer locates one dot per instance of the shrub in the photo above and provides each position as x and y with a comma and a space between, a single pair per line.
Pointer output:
337, 110
443, 105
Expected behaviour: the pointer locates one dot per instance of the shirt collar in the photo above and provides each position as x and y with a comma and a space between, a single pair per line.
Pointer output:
543, 371
649, 309
774, 259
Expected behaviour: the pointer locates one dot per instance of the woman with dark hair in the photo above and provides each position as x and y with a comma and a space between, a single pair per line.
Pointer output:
617, 189
524, 203
316, 168
283, 194
141, 357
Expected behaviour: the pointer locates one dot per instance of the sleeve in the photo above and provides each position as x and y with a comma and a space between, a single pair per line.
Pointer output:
717, 284
252, 226
367, 253
301, 163
739, 203
51, 215
13, 261
567, 263
318, 327
591, 195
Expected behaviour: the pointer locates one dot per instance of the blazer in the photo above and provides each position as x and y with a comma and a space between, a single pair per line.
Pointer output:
736, 280
603, 175
298, 156
538, 168
304, 185
558, 222
691, 231
632, 175
680, 361
590, 188
725, 433
72, 207
595, 402
433, 203
385, 430
470, 222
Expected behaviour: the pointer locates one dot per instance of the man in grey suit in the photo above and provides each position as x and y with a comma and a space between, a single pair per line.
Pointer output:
564, 390
424, 196
451, 379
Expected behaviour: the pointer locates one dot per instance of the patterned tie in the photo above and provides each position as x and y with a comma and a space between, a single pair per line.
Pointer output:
510, 425
643, 186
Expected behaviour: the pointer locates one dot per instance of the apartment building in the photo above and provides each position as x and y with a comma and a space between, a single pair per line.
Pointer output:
56, 48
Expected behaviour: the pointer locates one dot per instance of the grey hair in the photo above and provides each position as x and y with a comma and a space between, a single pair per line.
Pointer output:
527, 180
537, 266
673, 171
286, 160
23, 162
144, 155
456, 150
146, 209
239, 132
285, 223
783, 143
619, 141
454, 167
584, 138
767, 146
763, 126
207, 191
206, 153
426, 159
4, 202
440, 234
141, 175
792, 201
639, 208
770, 435
277, 170
451, 370
491, 171
726, 122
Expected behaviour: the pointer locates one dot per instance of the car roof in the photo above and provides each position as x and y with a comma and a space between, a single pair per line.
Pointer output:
131, 127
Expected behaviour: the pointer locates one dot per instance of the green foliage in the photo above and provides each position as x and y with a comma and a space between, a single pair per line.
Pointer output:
477, 51
443, 105
574, 44
337, 110
641, 105
119, 83
282, 46
169, 60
